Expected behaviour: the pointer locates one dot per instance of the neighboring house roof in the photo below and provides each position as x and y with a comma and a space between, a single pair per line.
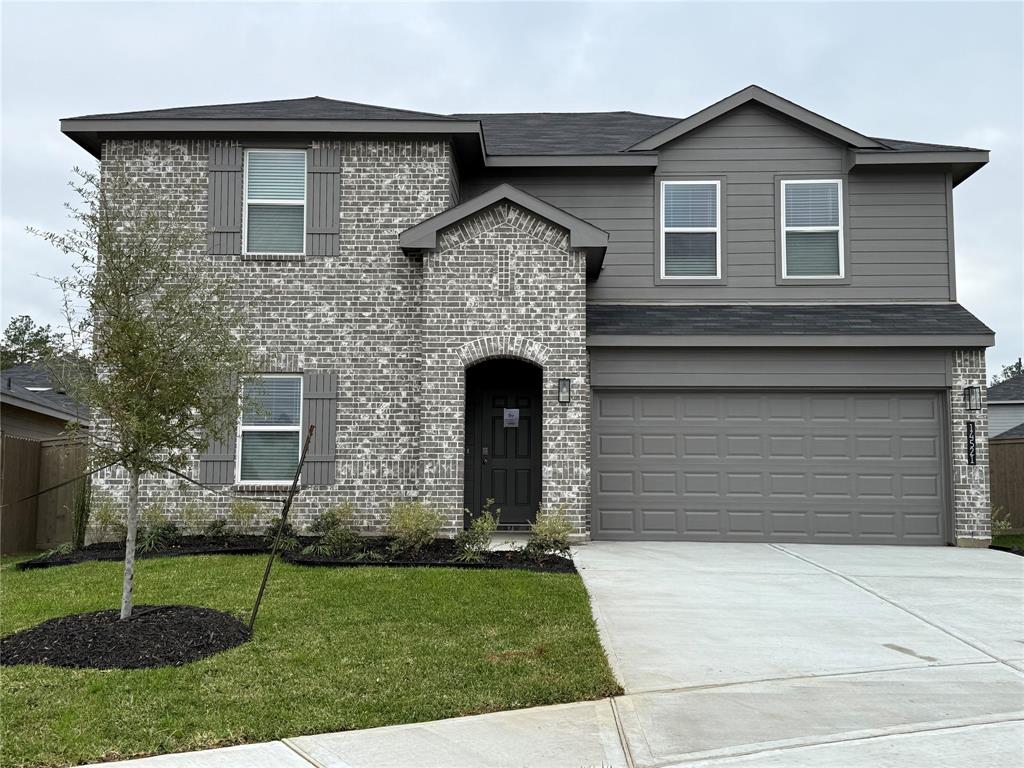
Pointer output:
32, 387
894, 324
516, 138
1009, 391
1014, 433
582, 234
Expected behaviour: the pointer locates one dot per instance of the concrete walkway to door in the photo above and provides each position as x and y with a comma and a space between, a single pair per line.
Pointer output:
772, 655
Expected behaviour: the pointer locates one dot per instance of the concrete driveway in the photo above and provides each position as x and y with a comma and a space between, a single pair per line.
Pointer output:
793, 655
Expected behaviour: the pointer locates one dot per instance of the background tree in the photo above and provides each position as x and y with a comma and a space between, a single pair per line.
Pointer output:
26, 342
166, 358
1009, 371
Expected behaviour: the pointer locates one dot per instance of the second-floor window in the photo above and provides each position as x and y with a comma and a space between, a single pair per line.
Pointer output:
691, 242
812, 228
269, 430
275, 201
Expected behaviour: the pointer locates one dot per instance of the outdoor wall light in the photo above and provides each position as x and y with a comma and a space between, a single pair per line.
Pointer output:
565, 390
972, 398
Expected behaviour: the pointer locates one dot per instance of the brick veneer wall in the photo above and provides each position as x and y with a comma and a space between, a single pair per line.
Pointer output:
504, 283
972, 517
357, 313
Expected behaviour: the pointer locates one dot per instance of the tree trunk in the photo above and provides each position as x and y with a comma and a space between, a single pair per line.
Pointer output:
129, 545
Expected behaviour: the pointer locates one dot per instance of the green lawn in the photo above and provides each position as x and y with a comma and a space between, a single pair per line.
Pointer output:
334, 649
1009, 540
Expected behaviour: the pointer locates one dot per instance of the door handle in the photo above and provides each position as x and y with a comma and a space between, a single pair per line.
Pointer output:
483, 455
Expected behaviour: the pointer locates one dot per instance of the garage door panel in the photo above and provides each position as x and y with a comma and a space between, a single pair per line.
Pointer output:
769, 466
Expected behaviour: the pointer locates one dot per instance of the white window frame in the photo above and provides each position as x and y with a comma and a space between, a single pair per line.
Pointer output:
838, 229
717, 229
267, 428
245, 201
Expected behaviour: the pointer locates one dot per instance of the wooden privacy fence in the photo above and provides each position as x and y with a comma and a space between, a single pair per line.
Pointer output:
27, 467
1006, 473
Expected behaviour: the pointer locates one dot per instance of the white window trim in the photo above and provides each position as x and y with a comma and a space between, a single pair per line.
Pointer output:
269, 428
245, 202
839, 229
717, 229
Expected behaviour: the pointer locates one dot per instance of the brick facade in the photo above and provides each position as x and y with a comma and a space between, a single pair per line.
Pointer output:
972, 515
504, 283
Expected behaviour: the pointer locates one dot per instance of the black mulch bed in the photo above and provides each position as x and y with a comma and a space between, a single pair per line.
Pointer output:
155, 636
441, 552
189, 545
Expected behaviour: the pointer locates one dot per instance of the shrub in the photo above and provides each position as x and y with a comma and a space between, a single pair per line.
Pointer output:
474, 542
334, 517
289, 539
1000, 520
412, 526
192, 519
243, 514
217, 529
342, 542
109, 521
549, 533
160, 535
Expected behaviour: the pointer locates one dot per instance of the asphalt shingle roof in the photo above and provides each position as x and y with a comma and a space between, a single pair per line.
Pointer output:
35, 384
802, 320
505, 133
1011, 389
1015, 432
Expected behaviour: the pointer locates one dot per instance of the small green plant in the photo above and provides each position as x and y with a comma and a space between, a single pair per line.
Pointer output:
549, 533
153, 514
1000, 521
243, 514
109, 522
63, 549
333, 517
289, 541
412, 526
475, 541
217, 529
158, 536
192, 519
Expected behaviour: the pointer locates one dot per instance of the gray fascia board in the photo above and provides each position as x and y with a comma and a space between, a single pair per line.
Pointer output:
1004, 402
895, 157
11, 399
766, 98
790, 340
632, 160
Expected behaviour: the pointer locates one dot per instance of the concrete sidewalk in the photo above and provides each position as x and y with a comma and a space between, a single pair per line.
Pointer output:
749, 655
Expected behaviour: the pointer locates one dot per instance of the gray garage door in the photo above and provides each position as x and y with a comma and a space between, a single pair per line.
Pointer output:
819, 467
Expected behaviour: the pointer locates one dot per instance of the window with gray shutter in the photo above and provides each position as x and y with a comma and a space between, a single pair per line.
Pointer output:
269, 433
319, 407
812, 228
275, 202
224, 203
691, 229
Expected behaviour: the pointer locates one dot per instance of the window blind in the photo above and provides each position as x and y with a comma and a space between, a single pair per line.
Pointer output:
269, 456
273, 401
812, 205
691, 254
812, 254
277, 175
691, 205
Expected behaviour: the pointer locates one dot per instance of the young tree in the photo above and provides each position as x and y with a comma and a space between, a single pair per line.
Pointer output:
26, 342
165, 355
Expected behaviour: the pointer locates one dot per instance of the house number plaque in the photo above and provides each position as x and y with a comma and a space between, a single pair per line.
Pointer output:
511, 417
972, 445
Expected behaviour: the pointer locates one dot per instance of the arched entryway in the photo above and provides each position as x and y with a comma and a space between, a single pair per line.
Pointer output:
503, 439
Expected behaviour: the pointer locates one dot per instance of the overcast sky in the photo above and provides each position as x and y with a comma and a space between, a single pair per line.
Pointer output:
939, 72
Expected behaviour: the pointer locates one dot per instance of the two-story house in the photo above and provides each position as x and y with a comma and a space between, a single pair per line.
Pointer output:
740, 325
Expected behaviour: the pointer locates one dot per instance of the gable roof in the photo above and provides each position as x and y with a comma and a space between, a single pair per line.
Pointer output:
765, 98
526, 139
33, 388
1011, 390
1014, 433
582, 234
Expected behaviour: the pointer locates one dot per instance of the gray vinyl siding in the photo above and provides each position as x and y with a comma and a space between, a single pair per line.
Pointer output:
896, 220
811, 367
1004, 416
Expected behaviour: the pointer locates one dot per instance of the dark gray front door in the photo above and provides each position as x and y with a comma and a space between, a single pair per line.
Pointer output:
821, 467
503, 439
